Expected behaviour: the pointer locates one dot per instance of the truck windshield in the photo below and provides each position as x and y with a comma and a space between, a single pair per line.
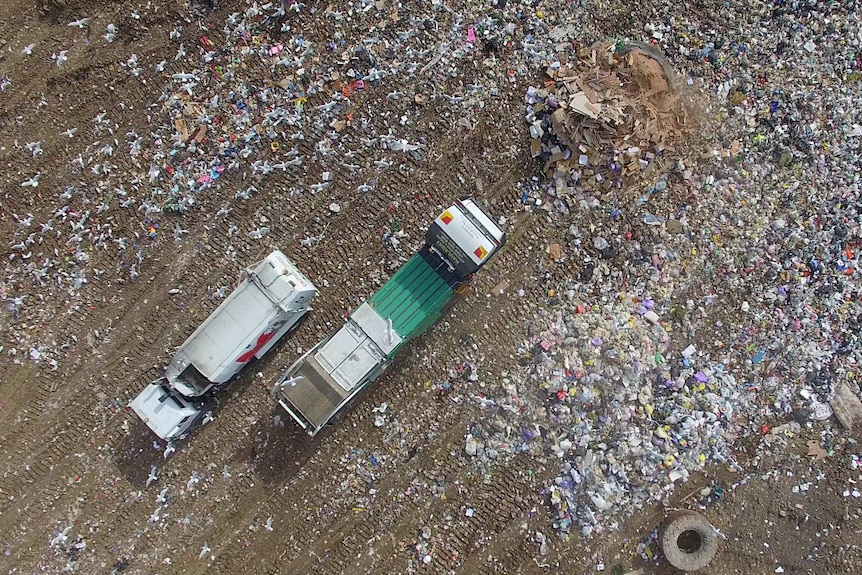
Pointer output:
475, 221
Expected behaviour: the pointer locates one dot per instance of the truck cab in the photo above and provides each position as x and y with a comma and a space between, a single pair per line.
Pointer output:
169, 415
266, 305
464, 237
327, 378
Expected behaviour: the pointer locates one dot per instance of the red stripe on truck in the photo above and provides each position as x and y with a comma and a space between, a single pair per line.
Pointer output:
261, 341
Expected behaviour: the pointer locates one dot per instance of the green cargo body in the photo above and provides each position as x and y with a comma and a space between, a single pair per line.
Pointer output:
412, 299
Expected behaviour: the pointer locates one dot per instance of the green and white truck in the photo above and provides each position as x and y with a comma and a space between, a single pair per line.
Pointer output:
322, 383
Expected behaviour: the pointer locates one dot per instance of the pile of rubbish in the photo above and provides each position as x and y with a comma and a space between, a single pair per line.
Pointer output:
605, 120
604, 393
627, 412
711, 322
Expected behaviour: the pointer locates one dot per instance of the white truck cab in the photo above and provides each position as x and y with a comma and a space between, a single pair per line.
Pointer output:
267, 304
169, 415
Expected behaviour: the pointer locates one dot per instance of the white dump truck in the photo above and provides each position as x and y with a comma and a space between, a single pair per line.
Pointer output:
269, 302
324, 381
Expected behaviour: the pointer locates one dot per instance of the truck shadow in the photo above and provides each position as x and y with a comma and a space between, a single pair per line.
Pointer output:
280, 448
135, 454
277, 450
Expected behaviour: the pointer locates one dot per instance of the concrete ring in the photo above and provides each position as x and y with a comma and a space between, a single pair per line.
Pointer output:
688, 540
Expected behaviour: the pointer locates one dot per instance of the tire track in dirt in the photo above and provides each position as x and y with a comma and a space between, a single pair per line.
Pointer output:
78, 419
75, 324
97, 283
494, 507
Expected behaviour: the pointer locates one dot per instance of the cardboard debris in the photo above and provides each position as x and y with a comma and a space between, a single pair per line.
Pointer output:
610, 98
816, 451
182, 128
558, 120
338, 125
847, 406
581, 104
198, 134
535, 147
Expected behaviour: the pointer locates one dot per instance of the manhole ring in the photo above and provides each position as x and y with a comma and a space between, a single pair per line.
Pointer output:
688, 540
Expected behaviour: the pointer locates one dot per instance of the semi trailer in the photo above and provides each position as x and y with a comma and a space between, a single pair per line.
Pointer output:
267, 304
324, 381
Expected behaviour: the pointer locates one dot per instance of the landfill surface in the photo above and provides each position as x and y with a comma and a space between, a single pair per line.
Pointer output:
673, 324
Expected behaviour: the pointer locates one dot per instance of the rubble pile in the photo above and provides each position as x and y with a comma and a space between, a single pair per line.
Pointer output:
605, 120
628, 417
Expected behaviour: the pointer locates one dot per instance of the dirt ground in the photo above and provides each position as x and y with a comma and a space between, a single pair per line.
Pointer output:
357, 499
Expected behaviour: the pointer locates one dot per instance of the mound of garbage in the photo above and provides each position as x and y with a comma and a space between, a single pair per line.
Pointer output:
605, 120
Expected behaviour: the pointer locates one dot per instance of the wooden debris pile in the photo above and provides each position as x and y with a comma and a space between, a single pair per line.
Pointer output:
605, 118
